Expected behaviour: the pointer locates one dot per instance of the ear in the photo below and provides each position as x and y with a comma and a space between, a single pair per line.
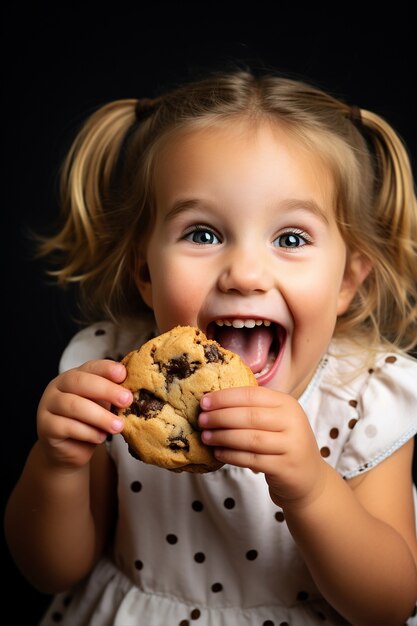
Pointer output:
143, 281
357, 269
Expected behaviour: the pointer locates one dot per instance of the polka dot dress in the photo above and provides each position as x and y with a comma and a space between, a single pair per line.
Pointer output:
213, 549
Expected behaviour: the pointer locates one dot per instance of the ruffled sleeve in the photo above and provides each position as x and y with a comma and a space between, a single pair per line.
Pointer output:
386, 408
105, 340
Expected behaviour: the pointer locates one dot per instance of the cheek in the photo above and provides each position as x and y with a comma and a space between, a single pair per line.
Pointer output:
313, 299
178, 294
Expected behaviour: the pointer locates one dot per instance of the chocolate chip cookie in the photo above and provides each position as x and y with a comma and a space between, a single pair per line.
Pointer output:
167, 376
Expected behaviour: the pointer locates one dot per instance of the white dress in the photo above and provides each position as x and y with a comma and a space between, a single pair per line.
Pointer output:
213, 549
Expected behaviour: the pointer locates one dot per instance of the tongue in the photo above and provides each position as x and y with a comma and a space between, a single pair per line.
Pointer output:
252, 344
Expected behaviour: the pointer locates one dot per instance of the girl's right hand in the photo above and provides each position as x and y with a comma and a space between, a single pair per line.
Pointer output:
74, 413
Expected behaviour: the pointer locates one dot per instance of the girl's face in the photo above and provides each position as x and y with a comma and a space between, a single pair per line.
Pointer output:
246, 247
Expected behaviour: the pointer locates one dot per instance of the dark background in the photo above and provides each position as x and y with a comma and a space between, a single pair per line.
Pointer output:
62, 62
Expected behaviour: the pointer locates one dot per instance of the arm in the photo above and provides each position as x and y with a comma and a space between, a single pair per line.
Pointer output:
60, 512
358, 539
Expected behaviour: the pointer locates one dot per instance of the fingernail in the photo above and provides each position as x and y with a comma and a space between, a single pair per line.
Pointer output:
205, 402
118, 369
206, 435
117, 425
203, 419
125, 396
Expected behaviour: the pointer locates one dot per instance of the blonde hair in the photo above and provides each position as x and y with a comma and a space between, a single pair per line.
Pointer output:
107, 191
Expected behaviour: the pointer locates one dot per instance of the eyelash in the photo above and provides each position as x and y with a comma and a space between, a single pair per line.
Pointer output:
300, 234
201, 228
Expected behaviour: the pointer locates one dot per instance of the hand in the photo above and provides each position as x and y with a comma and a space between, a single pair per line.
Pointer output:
74, 412
266, 431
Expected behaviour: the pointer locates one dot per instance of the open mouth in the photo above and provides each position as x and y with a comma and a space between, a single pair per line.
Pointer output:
259, 342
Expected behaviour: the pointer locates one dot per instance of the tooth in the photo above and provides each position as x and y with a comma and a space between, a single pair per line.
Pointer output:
240, 323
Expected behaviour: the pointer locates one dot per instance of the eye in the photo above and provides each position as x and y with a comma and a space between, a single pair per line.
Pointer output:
202, 235
292, 239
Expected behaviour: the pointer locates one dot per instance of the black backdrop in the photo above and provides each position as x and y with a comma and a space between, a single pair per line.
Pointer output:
60, 63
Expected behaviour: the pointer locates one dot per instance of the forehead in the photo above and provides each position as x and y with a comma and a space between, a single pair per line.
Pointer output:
256, 155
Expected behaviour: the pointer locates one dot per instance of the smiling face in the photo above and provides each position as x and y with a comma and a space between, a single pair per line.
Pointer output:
245, 236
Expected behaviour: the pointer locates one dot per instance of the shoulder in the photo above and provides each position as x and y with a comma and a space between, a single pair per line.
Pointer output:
378, 377
372, 406
105, 340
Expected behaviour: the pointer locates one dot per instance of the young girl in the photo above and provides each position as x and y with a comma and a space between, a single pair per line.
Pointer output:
283, 223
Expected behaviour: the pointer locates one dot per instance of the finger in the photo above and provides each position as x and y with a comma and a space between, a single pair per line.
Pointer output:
260, 418
113, 370
241, 396
74, 430
83, 410
93, 386
267, 464
256, 441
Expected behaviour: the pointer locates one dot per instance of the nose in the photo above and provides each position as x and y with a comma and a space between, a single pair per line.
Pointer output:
246, 270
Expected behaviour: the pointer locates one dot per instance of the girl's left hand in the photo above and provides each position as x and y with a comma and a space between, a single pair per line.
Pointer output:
265, 431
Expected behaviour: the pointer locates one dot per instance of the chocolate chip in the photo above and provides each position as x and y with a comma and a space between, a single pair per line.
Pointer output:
146, 405
179, 443
212, 354
180, 368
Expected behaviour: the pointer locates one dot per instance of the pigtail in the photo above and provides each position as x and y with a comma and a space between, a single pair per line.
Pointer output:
394, 213
86, 177
90, 247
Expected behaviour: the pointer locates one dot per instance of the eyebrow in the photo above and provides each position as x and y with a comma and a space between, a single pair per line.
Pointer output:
291, 204
182, 205
307, 205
